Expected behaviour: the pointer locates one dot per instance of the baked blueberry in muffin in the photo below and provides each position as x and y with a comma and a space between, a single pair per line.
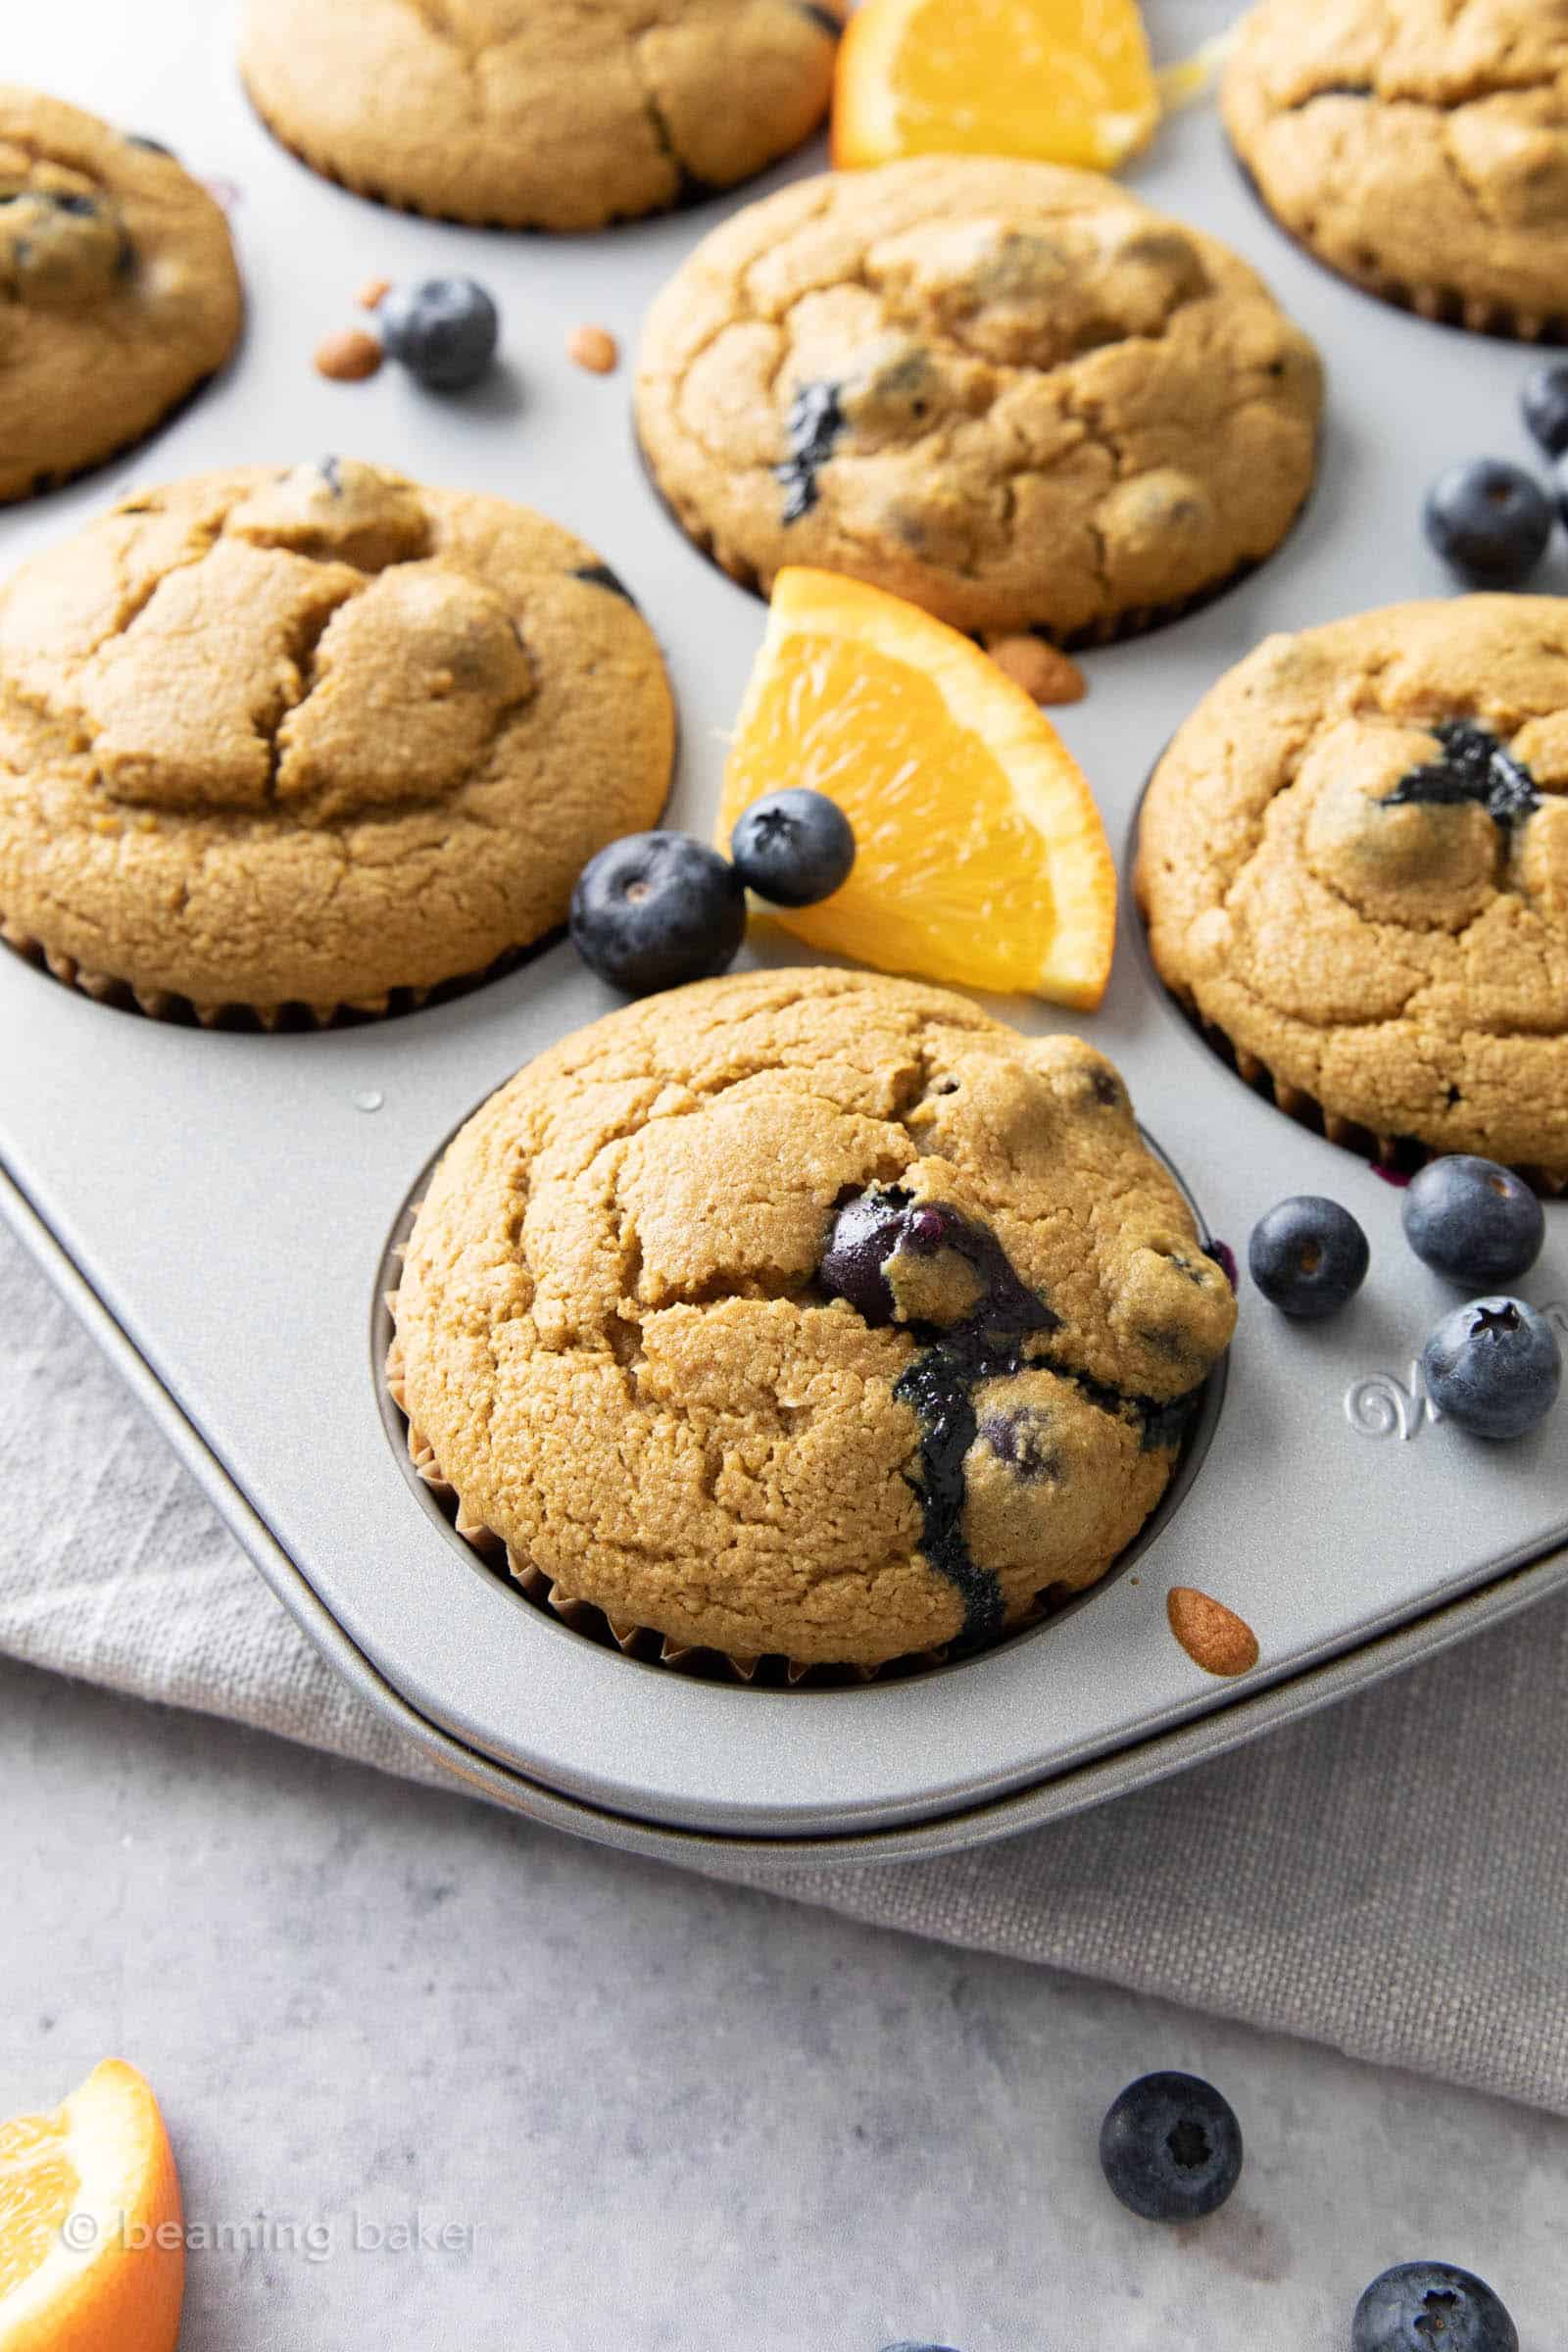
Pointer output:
1353, 863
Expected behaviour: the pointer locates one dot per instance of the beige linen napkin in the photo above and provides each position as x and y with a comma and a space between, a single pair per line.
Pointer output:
1390, 1877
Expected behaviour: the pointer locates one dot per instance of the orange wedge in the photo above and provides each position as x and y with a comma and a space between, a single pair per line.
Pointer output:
92, 2253
980, 855
1065, 82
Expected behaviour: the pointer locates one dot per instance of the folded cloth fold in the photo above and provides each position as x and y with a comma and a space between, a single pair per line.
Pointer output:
1390, 1877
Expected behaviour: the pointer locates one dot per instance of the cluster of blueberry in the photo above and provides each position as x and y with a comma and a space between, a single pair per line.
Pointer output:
1170, 2148
1491, 521
656, 910
1493, 1365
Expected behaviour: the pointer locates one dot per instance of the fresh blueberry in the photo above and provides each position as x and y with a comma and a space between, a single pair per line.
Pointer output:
1430, 2307
1172, 2148
1472, 1220
794, 848
1489, 521
657, 908
1493, 1366
1308, 1257
444, 330
1545, 402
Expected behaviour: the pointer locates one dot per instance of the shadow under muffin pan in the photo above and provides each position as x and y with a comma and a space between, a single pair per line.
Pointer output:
217, 1203
479, 1547
119, 997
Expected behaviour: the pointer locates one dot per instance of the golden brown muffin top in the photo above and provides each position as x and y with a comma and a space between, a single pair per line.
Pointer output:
304, 736
808, 1312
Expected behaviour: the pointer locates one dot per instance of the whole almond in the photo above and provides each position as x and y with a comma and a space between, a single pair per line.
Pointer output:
1213, 1635
349, 356
594, 348
1044, 672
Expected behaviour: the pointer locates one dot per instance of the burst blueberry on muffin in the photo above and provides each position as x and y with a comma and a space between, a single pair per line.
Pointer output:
1354, 863
1005, 391
118, 290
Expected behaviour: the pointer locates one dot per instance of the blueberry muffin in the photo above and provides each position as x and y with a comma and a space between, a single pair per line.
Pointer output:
539, 114
1417, 148
1006, 391
1354, 863
305, 738
118, 290
806, 1313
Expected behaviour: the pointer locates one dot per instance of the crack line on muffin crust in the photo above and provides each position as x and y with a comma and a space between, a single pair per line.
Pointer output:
1486, 86
941, 434
37, 154
208, 532
659, 121
436, 20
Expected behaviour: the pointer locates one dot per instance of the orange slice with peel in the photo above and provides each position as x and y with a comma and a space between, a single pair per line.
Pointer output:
1064, 81
980, 856
92, 2254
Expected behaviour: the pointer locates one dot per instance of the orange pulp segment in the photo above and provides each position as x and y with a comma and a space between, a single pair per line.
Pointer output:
92, 2254
1063, 81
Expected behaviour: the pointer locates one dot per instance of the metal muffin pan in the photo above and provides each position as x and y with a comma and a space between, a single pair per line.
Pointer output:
219, 1205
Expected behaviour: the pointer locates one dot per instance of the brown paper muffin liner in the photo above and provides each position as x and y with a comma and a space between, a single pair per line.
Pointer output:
1139, 621
44, 483
644, 1643
1447, 306
1440, 305
164, 1005
1399, 1155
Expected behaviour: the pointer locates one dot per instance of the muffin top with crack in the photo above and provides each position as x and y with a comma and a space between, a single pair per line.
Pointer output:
540, 114
118, 290
277, 738
1353, 861
1416, 147
809, 1314
1006, 391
